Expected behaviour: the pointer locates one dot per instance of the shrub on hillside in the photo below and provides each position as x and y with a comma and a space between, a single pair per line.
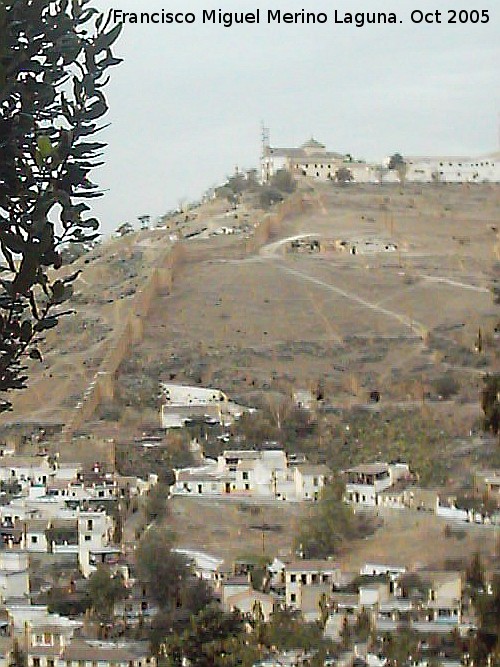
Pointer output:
332, 523
446, 386
283, 181
270, 196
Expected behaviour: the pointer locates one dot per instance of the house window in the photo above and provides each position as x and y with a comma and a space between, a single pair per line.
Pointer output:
293, 578
245, 475
247, 487
90, 524
87, 538
315, 481
293, 597
303, 578
34, 539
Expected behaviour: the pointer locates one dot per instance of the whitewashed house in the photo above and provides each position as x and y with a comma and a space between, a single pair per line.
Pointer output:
310, 480
35, 535
306, 581
14, 575
365, 482
256, 473
25, 469
181, 402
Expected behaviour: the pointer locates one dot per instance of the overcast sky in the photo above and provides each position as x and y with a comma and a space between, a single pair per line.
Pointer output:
187, 102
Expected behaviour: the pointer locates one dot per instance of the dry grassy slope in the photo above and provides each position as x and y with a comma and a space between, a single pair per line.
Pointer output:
244, 322
282, 319
231, 531
111, 277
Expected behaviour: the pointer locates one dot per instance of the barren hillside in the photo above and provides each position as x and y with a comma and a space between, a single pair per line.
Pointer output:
249, 313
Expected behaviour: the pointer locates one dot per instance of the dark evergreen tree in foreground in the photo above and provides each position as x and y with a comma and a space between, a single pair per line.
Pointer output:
54, 62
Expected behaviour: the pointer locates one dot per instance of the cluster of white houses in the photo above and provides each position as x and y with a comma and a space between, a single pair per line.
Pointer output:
392, 485
266, 473
51, 640
312, 159
61, 509
271, 474
430, 602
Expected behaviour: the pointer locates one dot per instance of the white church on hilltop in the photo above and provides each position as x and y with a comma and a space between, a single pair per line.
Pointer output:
312, 159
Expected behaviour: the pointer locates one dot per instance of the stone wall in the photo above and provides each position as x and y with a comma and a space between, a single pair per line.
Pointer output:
161, 280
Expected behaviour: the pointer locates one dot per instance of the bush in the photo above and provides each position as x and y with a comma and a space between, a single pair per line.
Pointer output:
225, 192
156, 505
160, 569
270, 196
447, 386
283, 181
333, 522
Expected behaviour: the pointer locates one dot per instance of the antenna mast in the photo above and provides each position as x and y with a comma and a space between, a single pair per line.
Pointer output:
265, 157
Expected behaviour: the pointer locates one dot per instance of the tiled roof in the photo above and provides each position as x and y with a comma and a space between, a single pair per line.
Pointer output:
310, 469
311, 566
370, 468
105, 651
22, 461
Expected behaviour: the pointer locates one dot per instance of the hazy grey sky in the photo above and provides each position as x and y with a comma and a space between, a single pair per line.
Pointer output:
187, 102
